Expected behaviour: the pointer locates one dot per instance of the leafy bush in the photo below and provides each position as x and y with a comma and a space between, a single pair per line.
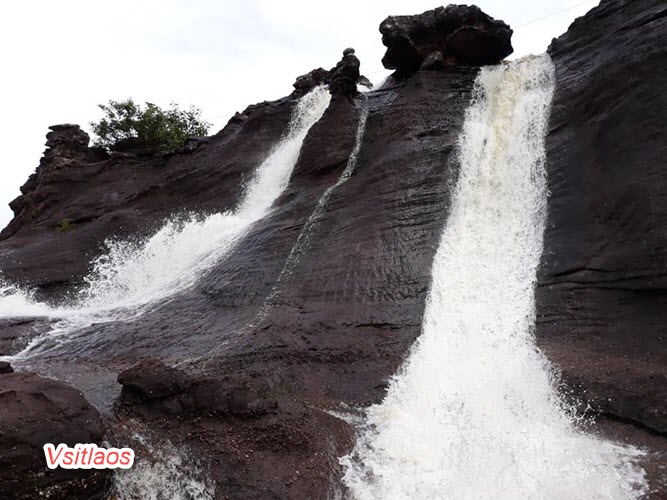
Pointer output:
127, 125
64, 225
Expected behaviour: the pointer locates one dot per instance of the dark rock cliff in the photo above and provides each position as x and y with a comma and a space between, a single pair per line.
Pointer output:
319, 306
602, 296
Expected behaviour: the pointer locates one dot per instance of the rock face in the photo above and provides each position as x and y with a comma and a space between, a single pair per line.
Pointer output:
244, 366
446, 36
35, 411
153, 388
368, 228
601, 298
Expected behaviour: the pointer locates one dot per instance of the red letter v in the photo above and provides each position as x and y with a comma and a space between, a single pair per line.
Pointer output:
52, 462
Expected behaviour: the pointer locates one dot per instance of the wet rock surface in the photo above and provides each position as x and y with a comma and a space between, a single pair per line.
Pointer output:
601, 297
303, 319
34, 411
263, 359
152, 388
453, 35
72, 204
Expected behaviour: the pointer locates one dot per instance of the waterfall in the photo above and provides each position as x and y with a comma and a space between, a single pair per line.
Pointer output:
473, 413
303, 240
131, 276
165, 472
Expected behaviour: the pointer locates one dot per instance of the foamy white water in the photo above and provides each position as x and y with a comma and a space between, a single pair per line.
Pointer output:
164, 472
130, 276
473, 413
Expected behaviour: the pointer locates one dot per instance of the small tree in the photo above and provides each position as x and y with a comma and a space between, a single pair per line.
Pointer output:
127, 125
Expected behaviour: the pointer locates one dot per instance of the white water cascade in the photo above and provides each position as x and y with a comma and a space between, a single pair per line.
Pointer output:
473, 413
132, 276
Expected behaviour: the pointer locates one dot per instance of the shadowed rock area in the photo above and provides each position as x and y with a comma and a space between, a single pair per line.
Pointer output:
320, 303
34, 411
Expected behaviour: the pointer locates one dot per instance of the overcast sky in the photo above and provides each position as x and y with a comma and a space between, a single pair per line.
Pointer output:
60, 59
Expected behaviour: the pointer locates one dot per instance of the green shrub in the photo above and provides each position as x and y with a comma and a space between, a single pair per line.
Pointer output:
64, 225
127, 125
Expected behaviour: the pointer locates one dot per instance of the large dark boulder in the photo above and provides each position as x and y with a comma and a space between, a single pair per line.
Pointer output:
35, 411
456, 34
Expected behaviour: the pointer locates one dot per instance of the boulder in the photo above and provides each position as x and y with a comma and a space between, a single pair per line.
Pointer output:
342, 79
5, 368
446, 36
35, 411
151, 379
152, 388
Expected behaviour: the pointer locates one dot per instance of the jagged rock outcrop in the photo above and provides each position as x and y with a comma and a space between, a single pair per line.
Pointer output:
306, 83
342, 78
34, 411
67, 145
443, 37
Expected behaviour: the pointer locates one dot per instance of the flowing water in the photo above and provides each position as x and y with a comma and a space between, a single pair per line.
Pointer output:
163, 472
302, 243
132, 276
473, 413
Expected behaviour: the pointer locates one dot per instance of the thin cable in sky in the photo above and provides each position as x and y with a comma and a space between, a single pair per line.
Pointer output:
515, 28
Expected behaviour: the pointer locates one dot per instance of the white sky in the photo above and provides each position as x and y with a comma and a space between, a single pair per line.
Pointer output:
62, 58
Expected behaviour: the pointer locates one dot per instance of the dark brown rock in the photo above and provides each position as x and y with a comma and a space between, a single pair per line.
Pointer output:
153, 388
456, 34
306, 83
602, 301
35, 411
344, 76
342, 79
5, 367
151, 379
266, 342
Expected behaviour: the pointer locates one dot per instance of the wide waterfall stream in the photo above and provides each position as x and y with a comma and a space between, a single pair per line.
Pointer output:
132, 276
473, 413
